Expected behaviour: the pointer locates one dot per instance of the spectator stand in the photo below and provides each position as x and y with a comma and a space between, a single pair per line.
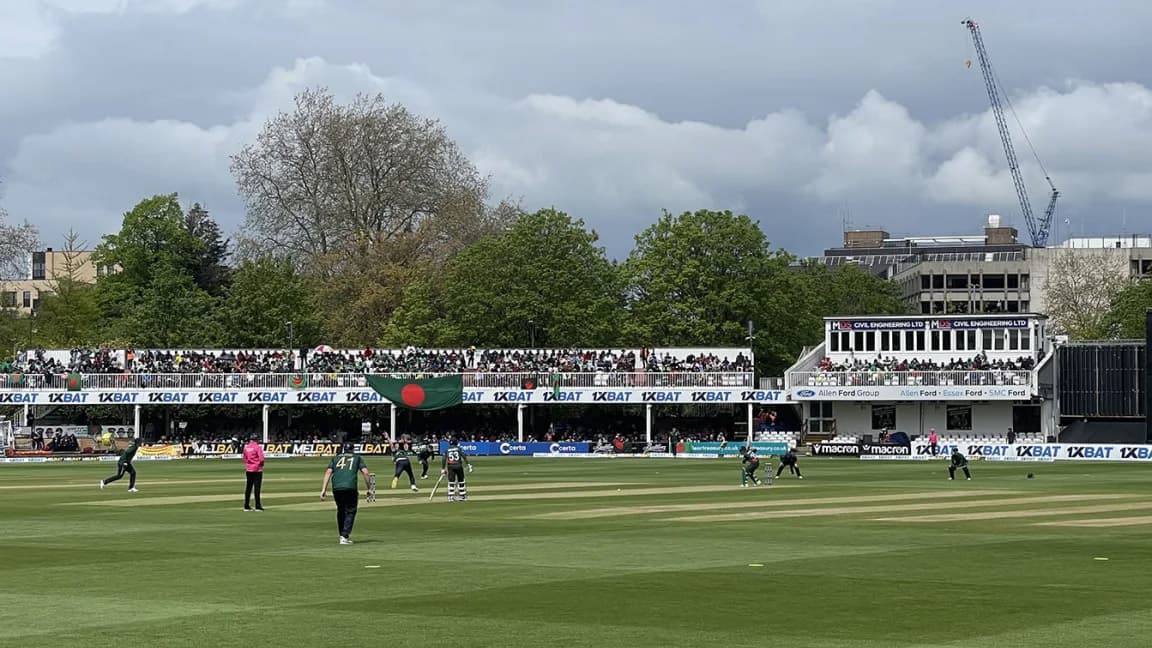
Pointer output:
635, 376
965, 375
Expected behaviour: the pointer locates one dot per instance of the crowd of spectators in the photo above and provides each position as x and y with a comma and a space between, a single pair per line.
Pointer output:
102, 360
977, 363
205, 362
326, 361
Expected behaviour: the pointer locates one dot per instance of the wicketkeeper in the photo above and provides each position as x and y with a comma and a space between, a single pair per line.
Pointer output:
958, 461
789, 460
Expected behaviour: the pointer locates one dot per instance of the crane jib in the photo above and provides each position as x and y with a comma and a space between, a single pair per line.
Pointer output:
1037, 228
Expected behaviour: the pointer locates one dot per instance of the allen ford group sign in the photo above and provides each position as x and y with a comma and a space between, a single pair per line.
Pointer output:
618, 396
512, 448
890, 393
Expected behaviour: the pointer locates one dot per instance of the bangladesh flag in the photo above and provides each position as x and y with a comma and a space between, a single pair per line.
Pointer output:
73, 382
298, 381
17, 380
420, 393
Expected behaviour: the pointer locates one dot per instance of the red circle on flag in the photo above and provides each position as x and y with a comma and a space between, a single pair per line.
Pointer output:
412, 395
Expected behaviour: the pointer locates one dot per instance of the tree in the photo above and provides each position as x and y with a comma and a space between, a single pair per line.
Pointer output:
69, 315
266, 294
171, 312
331, 179
209, 267
848, 290
1081, 286
697, 280
545, 278
17, 241
1127, 312
152, 239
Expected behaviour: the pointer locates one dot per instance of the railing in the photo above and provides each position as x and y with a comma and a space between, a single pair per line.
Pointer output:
283, 381
775, 383
995, 377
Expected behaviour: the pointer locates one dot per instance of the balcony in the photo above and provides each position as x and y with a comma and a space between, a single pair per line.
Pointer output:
912, 385
192, 382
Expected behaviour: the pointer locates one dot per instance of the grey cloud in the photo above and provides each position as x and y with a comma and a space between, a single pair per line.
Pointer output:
609, 110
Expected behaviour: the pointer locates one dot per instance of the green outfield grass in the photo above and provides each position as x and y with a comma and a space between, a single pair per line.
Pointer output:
549, 553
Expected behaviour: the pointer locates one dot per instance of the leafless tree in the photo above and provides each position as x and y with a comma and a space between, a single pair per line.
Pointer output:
1081, 285
17, 241
329, 182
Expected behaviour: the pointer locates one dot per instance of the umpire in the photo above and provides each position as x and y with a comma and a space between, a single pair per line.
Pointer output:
789, 459
958, 461
341, 473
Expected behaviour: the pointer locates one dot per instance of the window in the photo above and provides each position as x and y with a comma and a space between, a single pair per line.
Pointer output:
1013, 340
987, 335
919, 341
959, 417
845, 341
896, 340
971, 339
884, 345
1024, 282
27, 299
938, 282
961, 341
870, 340
1013, 306
38, 266
925, 308
975, 280
957, 282
858, 343
925, 282
998, 340
834, 341
883, 416
994, 282
935, 341
1025, 340
945, 340
1013, 281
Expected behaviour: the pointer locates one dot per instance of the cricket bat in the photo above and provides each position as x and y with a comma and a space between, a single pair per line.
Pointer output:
435, 487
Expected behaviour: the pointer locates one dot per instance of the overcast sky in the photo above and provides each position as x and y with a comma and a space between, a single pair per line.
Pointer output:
862, 110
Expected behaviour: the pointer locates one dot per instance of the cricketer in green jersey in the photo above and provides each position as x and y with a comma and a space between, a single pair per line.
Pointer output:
341, 473
452, 464
401, 458
749, 464
124, 465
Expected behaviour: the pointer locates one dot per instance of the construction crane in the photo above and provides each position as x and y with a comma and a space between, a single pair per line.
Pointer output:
1038, 229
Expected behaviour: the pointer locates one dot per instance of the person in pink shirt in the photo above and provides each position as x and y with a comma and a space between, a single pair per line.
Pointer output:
933, 441
253, 472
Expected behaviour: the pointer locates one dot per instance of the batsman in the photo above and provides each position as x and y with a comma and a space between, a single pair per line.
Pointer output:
749, 464
452, 464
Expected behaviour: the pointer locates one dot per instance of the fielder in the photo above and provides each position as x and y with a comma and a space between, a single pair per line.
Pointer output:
400, 452
958, 461
452, 464
341, 473
749, 464
124, 465
425, 455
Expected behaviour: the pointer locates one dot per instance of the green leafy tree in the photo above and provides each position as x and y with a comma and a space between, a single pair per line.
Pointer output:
69, 315
697, 279
152, 240
1125, 318
171, 312
544, 277
209, 266
266, 294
